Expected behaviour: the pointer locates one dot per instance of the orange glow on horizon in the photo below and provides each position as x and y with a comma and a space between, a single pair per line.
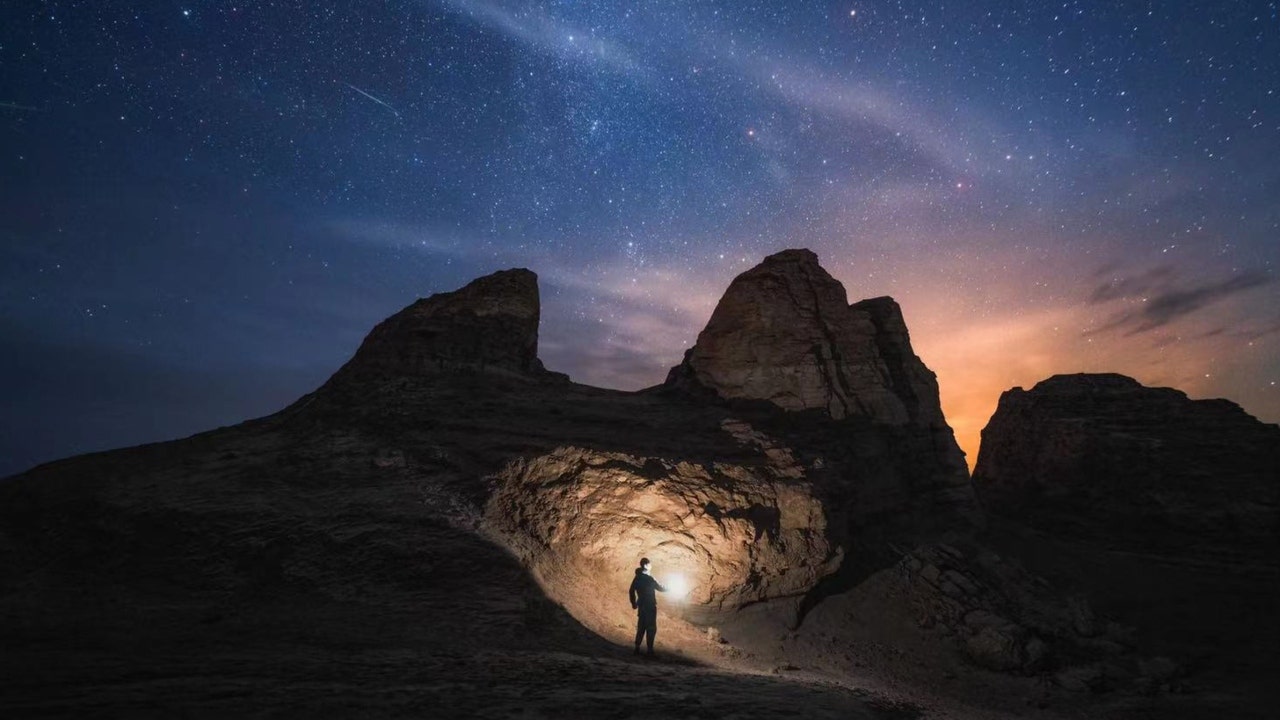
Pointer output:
982, 357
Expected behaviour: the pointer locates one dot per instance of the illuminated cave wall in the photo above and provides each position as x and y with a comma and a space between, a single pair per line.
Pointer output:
580, 520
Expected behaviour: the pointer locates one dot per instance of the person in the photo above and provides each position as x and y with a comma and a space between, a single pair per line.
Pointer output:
645, 603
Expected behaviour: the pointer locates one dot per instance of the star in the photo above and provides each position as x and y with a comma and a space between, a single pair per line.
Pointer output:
545, 134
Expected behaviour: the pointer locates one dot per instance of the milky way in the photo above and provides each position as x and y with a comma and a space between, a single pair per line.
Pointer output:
206, 205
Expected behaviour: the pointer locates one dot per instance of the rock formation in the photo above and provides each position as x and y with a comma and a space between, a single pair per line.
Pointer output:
985, 608
785, 332
489, 325
735, 534
1003, 617
444, 506
1103, 456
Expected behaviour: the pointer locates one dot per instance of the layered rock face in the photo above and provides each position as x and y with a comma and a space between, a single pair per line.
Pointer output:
785, 332
489, 325
1102, 455
730, 534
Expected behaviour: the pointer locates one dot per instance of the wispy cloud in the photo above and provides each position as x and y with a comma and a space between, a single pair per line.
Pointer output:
862, 102
792, 83
1164, 298
538, 30
395, 235
1119, 287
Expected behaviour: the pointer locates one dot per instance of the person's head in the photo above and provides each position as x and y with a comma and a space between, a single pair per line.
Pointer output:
644, 564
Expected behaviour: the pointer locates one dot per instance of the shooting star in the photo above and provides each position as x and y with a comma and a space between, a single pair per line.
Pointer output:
371, 97
16, 106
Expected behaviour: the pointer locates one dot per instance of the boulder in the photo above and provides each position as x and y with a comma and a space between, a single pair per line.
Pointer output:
1003, 617
998, 647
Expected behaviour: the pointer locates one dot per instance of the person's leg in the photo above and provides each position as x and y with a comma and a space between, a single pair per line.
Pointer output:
651, 627
640, 629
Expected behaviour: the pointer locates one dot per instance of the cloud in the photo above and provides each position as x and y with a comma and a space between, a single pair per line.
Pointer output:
1118, 288
860, 102
539, 31
1163, 298
395, 235
793, 83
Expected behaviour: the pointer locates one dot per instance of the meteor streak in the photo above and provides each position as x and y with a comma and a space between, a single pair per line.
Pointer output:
375, 99
16, 106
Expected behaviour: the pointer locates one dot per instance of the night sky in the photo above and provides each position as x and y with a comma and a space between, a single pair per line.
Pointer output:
204, 206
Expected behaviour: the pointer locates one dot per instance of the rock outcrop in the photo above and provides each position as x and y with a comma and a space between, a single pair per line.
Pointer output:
1002, 617
489, 325
785, 332
733, 534
1103, 456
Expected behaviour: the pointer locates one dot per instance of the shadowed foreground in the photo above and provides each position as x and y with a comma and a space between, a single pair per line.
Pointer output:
439, 638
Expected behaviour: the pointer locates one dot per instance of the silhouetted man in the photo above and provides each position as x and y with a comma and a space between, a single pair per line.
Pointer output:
645, 602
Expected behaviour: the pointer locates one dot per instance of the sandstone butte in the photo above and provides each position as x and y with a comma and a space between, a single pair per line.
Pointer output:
1100, 456
445, 507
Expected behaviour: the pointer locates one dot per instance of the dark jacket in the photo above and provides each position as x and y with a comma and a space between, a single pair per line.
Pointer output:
642, 590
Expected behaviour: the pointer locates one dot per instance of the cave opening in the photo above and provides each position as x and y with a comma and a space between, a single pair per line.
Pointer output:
581, 520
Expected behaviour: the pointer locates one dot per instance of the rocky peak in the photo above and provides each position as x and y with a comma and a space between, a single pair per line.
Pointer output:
1079, 383
490, 324
785, 332
1102, 455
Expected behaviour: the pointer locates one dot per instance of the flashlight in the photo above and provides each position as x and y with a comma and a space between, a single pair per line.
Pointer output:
676, 586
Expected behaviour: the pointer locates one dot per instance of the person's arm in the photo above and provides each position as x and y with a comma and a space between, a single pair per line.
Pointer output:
658, 586
632, 594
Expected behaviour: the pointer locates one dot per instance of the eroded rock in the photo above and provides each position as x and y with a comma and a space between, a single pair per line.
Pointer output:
583, 518
784, 332
491, 324
1003, 617
998, 647
1104, 456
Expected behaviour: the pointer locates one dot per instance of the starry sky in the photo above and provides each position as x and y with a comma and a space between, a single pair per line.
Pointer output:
204, 206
